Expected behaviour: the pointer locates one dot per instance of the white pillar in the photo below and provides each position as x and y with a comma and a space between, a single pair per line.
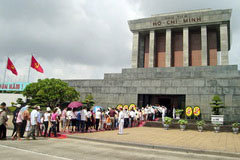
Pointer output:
151, 49
204, 45
185, 46
224, 43
168, 48
135, 48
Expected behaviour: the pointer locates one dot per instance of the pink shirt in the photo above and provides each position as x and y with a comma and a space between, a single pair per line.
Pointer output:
19, 117
54, 117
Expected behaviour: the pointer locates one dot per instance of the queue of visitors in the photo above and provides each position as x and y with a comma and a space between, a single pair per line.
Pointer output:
83, 119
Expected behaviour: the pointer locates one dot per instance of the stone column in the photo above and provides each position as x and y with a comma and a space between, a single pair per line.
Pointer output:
185, 47
168, 48
135, 48
204, 45
151, 49
224, 43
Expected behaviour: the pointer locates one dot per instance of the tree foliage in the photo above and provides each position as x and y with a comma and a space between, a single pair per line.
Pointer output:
50, 92
216, 104
89, 101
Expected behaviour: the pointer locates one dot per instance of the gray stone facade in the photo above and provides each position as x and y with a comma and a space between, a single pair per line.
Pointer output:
198, 84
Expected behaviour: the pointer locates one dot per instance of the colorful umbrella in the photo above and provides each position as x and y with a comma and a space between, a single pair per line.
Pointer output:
75, 104
23, 109
95, 108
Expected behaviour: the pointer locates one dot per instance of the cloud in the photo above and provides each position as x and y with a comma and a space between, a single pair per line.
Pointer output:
85, 34
82, 38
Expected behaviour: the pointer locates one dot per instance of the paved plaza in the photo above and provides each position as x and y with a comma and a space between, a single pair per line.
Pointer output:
189, 139
70, 149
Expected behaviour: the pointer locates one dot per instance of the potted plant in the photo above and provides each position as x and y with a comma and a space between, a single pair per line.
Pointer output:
200, 125
216, 128
167, 122
183, 124
178, 113
235, 127
216, 104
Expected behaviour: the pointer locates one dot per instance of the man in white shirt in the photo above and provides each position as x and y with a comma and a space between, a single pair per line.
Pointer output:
33, 122
121, 121
97, 117
83, 118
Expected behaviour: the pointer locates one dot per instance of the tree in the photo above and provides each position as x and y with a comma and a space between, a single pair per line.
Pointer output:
50, 92
89, 101
216, 104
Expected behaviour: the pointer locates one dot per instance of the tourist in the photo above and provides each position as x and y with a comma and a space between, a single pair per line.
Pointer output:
78, 120
152, 113
19, 120
97, 117
83, 119
146, 113
89, 115
112, 113
26, 118
54, 118
121, 121
126, 118
116, 119
108, 121
68, 118
46, 121
3, 122
39, 122
74, 119
33, 122
14, 119
131, 118
59, 112
103, 120
63, 119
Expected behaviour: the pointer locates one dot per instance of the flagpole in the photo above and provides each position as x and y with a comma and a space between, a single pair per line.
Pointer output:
4, 77
29, 69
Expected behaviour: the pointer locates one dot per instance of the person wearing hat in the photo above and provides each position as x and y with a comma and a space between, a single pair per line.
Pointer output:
15, 114
121, 121
47, 120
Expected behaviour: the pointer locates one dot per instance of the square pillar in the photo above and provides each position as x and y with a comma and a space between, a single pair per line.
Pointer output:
185, 47
135, 49
168, 48
151, 49
224, 43
204, 54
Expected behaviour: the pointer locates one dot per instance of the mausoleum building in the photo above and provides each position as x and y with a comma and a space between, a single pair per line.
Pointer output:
178, 60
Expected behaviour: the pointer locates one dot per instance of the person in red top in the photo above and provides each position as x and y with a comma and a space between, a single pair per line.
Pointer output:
112, 113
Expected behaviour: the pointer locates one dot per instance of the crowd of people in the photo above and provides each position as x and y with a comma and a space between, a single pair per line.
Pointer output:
70, 120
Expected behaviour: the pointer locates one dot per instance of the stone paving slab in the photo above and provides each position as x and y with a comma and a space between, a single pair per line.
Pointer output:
204, 141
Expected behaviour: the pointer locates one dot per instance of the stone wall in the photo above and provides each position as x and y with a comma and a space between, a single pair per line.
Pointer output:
199, 84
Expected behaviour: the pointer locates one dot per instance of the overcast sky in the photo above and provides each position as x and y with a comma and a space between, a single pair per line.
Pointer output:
83, 39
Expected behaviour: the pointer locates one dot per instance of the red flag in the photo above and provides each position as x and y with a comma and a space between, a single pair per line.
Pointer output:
35, 65
11, 67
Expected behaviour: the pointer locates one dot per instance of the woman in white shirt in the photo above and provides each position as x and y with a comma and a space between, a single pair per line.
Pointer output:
46, 120
68, 118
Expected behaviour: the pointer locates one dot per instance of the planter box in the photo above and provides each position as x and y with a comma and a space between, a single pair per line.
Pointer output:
217, 119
